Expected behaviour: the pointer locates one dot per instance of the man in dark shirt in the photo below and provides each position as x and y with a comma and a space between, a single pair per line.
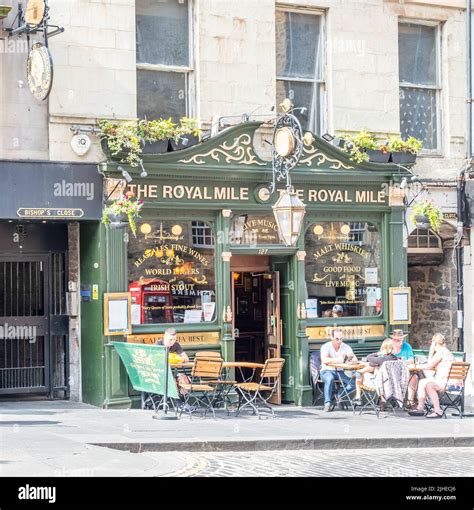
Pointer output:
170, 341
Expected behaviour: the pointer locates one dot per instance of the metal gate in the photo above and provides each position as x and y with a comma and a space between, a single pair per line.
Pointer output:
33, 324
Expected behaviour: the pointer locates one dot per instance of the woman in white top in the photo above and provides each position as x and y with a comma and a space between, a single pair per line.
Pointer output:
439, 360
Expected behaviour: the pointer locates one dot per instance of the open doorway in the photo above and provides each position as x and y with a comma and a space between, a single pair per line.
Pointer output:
257, 327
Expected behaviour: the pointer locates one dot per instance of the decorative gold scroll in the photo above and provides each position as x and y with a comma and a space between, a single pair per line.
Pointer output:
240, 152
312, 152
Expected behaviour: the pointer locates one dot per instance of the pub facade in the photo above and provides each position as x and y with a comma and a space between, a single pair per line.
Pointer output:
207, 260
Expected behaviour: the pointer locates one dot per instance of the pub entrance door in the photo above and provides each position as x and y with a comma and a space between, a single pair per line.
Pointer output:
256, 317
33, 325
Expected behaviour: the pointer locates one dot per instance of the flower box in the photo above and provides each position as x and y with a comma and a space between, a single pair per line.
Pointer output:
378, 156
402, 158
184, 142
156, 147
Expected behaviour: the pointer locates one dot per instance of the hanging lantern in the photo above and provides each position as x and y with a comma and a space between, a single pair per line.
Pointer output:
289, 212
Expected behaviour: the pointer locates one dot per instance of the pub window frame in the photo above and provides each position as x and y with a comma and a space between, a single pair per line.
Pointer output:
438, 87
184, 326
379, 223
320, 123
187, 71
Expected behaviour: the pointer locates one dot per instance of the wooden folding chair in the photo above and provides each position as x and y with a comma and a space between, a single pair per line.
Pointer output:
257, 394
199, 391
452, 396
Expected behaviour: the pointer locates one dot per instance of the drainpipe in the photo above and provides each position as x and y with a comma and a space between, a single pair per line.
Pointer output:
461, 181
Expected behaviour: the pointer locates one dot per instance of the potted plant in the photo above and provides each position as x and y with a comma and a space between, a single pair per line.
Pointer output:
125, 210
403, 152
156, 134
186, 135
363, 147
426, 216
121, 140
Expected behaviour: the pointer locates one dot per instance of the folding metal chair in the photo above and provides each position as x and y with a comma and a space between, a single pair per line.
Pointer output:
257, 395
391, 382
371, 397
452, 396
199, 391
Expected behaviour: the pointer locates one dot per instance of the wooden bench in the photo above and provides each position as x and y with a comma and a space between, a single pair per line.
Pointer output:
421, 355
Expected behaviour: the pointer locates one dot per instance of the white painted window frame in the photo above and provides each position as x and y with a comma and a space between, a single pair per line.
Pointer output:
438, 152
188, 71
322, 81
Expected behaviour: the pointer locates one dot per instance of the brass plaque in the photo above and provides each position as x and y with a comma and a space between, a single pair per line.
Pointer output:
350, 332
184, 338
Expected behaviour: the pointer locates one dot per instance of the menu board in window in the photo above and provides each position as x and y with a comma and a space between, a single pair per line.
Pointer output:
171, 272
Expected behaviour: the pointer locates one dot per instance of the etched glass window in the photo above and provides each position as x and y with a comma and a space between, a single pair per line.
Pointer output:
171, 272
342, 267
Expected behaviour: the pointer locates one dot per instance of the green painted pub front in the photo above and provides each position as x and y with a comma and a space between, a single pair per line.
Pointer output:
209, 205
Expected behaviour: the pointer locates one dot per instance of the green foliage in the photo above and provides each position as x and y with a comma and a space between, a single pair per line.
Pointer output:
356, 145
127, 138
411, 144
122, 138
187, 126
430, 211
156, 130
127, 206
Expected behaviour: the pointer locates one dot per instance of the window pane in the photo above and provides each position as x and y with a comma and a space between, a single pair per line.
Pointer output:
418, 115
343, 267
298, 45
171, 274
254, 229
161, 94
303, 94
417, 54
162, 32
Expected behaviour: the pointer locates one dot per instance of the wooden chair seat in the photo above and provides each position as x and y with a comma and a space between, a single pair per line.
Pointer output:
368, 388
226, 381
252, 386
196, 387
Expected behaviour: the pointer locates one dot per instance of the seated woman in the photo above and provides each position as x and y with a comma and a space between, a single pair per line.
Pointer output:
375, 361
440, 361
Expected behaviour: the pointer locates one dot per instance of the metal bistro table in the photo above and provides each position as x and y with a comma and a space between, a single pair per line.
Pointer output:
346, 398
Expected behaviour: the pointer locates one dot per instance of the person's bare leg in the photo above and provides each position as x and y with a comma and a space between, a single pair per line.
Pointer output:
432, 392
412, 388
422, 394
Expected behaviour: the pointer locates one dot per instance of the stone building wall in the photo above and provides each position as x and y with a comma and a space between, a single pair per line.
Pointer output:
433, 302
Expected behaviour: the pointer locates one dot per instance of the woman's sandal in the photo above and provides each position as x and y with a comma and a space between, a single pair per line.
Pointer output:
434, 415
416, 412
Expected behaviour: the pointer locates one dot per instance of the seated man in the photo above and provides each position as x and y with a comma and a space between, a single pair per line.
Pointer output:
170, 341
332, 352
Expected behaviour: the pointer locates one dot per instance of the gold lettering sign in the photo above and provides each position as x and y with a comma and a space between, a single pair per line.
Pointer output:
185, 339
350, 332
242, 194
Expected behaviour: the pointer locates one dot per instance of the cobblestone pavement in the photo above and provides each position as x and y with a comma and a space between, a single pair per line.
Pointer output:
418, 462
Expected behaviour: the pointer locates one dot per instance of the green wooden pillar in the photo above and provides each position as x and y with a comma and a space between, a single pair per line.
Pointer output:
303, 390
398, 254
223, 255
116, 378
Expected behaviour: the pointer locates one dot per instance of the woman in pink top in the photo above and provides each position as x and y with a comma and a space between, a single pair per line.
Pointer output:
439, 360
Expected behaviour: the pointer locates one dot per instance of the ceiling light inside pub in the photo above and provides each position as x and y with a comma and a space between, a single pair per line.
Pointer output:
176, 230
318, 230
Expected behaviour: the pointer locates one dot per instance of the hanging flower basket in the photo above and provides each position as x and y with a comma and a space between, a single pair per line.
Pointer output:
117, 221
426, 216
422, 222
122, 212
